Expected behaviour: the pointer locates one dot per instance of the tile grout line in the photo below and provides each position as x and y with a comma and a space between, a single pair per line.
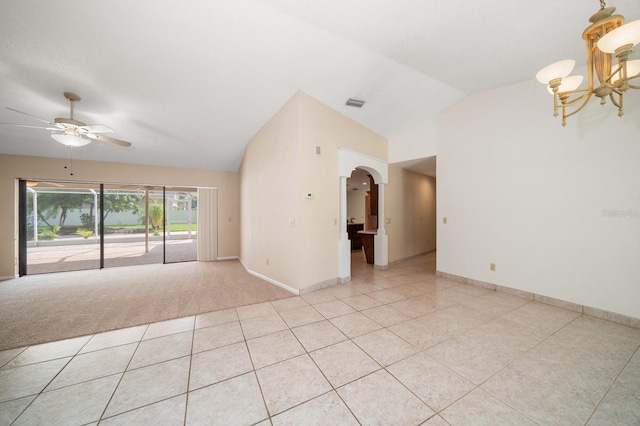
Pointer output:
121, 377
254, 371
50, 381
519, 356
186, 402
613, 382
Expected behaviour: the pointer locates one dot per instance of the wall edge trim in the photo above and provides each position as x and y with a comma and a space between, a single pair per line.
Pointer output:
270, 280
585, 310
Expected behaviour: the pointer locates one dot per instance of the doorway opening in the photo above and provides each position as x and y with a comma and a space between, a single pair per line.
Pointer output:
373, 218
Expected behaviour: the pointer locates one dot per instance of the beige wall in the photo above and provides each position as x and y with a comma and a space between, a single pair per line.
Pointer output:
410, 203
356, 204
269, 193
279, 167
13, 167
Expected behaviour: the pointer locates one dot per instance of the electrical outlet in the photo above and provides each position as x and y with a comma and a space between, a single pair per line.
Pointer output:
292, 222
492, 266
444, 220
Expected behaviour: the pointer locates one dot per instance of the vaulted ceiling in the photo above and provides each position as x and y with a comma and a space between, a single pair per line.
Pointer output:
189, 83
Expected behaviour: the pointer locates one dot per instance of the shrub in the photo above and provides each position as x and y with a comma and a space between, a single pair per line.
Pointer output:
49, 234
156, 217
87, 220
84, 233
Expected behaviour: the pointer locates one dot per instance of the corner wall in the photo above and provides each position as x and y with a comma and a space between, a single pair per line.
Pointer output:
556, 209
12, 167
281, 165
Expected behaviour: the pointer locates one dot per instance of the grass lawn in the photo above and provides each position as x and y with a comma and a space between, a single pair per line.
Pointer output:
175, 227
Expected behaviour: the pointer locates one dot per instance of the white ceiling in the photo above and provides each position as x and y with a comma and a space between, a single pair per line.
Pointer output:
189, 83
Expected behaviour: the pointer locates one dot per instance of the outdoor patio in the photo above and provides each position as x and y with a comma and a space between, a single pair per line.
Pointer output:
74, 257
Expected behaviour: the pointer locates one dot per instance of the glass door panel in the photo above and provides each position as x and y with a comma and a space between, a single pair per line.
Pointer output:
61, 233
181, 232
128, 240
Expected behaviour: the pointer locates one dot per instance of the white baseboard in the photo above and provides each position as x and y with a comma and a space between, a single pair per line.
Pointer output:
324, 284
583, 309
227, 258
270, 280
8, 277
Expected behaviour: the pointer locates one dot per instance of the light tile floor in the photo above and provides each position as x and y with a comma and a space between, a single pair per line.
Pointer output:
393, 347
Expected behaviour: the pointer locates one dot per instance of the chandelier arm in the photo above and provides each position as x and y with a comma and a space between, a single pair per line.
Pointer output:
613, 99
607, 82
620, 103
567, 103
632, 86
614, 86
586, 98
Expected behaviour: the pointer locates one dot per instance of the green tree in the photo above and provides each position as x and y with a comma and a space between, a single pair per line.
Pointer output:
116, 203
52, 204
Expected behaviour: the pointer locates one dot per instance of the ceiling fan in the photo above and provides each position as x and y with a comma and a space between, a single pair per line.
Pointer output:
71, 132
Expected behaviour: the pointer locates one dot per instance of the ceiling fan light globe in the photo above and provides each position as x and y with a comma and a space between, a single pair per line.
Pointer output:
70, 140
621, 36
559, 69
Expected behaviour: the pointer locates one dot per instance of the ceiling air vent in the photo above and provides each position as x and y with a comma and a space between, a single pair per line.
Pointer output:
355, 103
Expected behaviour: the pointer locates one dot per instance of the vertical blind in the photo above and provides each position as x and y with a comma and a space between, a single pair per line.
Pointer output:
207, 224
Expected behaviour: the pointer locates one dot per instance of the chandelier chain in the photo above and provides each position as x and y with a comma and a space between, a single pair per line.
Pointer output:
602, 4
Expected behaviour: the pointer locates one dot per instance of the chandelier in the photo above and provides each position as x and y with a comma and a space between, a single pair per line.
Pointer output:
604, 38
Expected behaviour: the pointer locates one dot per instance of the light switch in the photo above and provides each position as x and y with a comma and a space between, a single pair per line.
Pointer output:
444, 220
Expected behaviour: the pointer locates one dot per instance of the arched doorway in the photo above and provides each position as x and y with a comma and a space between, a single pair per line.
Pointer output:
348, 161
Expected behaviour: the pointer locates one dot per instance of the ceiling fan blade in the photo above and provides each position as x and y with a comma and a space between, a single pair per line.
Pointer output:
30, 127
108, 139
97, 128
32, 116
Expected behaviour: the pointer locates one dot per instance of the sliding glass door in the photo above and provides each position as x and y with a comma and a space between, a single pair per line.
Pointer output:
127, 238
61, 226
72, 226
181, 231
